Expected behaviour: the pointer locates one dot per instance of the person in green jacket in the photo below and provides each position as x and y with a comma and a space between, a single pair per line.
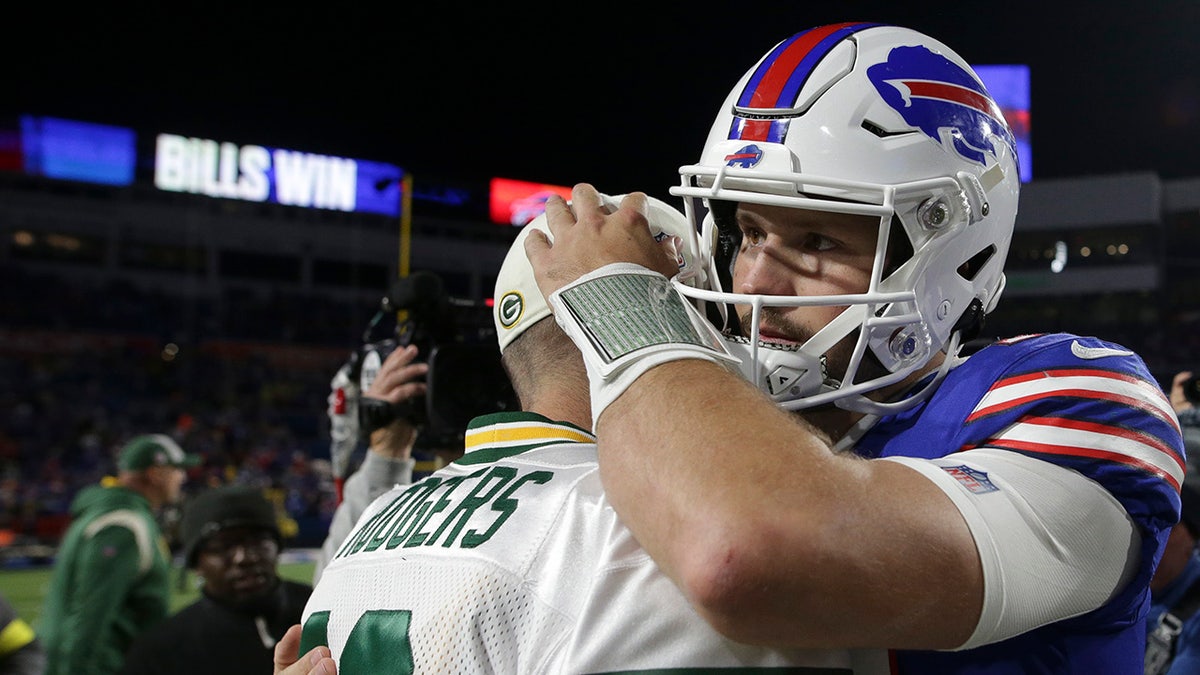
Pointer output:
112, 571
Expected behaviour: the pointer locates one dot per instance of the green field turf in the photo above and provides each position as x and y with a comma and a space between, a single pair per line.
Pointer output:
26, 588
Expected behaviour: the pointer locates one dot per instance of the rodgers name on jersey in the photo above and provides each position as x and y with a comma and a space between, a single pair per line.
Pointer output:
437, 511
511, 560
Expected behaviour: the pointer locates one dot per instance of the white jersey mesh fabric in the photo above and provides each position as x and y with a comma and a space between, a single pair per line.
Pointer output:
465, 617
512, 561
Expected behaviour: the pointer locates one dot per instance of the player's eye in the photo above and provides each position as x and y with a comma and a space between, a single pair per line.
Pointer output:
752, 236
819, 242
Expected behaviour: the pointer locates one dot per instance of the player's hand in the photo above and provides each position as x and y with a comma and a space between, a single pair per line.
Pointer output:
1178, 400
317, 661
588, 237
400, 378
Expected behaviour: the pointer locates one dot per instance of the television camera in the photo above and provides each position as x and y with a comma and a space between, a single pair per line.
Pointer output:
456, 337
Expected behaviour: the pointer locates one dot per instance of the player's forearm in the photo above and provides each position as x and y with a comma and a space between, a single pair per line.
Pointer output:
695, 471
384, 471
773, 538
394, 441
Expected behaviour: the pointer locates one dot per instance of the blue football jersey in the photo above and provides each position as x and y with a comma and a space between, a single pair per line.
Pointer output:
1083, 404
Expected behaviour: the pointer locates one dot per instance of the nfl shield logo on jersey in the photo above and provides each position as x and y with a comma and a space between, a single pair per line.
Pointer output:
974, 480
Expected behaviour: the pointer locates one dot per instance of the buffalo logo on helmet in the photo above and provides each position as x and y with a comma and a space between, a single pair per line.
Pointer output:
933, 93
746, 157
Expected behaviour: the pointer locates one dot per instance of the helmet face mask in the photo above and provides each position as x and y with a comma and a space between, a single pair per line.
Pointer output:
874, 121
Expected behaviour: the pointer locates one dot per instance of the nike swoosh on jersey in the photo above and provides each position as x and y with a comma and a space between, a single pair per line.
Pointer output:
1096, 352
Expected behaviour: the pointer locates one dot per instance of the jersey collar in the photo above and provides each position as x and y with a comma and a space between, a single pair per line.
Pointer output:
491, 437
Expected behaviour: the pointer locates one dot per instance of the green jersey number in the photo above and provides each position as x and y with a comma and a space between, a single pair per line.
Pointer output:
378, 642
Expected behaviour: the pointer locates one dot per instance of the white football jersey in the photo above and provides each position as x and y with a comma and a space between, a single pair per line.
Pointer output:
510, 560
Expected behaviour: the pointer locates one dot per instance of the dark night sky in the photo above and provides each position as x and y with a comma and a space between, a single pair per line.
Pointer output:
471, 90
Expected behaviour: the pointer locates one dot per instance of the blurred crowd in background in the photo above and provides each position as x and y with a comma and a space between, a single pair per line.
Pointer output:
88, 368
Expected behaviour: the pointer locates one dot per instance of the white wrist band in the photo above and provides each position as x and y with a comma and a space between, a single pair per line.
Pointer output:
626, 319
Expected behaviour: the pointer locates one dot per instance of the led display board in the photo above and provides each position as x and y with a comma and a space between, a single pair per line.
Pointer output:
1009, 86
78, 151
261, 174
65, 149
516, 202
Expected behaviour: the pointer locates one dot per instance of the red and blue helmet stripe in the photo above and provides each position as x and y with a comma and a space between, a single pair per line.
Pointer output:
930, 92
779, 78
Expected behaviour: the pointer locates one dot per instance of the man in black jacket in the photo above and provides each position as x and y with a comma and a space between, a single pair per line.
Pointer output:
232, 541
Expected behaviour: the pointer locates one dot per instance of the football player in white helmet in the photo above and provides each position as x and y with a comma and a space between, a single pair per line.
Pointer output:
997, 513
902, 137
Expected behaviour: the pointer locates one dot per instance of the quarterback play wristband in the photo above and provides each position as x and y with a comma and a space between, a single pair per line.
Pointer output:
625, 319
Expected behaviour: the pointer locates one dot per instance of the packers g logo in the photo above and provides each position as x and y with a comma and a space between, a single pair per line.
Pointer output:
510, 309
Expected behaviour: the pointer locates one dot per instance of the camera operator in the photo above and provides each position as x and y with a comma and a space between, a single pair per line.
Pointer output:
383, 394
1173, 623
388, 461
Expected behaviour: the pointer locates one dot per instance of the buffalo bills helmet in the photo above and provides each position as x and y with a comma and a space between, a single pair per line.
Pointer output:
873, 120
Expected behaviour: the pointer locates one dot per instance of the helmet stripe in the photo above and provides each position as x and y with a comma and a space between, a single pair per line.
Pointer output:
947, 91
778, 79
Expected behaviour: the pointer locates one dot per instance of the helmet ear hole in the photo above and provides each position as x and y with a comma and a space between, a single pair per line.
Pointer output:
970, 269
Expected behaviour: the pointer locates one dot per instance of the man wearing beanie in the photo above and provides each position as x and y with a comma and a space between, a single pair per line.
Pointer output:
111, 572
232, 540
1173, 623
